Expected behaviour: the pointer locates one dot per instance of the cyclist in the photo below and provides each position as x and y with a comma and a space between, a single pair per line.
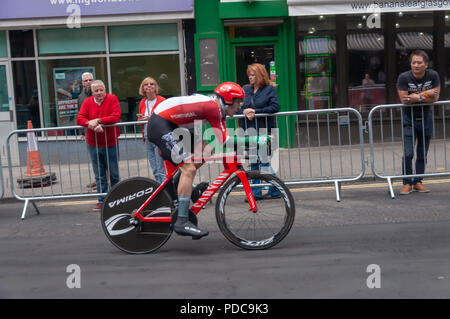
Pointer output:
181, 112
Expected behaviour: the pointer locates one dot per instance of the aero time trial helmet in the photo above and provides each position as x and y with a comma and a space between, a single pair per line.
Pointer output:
229, 91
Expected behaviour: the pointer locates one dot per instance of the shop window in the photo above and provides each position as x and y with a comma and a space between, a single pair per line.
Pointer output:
316, 60
317, 72
141, 38
61, 84
127, 74
26, 94
71, 41
3, 48
22, 44
366, 77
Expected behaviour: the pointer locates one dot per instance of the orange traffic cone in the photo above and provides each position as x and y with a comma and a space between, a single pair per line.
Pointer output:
34, 163
36, 175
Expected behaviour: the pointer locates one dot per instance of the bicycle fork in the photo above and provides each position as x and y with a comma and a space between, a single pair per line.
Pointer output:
248, 191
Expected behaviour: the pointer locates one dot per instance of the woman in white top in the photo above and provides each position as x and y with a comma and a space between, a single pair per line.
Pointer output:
150, 89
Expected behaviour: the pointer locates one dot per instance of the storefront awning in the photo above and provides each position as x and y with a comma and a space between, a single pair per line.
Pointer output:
331, 7
372, 42
414, 41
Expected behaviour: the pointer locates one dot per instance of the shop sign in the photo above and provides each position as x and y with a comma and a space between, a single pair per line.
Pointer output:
325, 7
20, 9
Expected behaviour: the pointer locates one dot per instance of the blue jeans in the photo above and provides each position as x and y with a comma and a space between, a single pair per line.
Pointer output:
265, 169
156, 162
105, 158
423, 143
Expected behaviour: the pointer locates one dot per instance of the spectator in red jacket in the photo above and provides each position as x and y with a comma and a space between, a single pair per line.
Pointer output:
101, 109
150, 89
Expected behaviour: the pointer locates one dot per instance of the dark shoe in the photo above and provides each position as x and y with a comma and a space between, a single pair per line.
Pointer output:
273, 193
272, 196
420, 188
198, 191
92, 185
407, 189
184, 227
97, 207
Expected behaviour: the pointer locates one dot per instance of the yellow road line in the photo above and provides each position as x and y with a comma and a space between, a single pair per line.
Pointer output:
68, 203
296, 190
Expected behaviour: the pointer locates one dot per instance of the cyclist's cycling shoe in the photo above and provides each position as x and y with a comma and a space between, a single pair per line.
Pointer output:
186, 228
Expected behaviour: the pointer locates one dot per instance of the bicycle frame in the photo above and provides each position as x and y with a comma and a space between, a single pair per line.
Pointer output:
231, 165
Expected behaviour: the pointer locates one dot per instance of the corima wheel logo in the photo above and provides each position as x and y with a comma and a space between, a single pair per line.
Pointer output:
127, 198
112, 221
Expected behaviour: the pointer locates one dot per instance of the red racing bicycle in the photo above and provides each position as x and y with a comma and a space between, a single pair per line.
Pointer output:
138, 213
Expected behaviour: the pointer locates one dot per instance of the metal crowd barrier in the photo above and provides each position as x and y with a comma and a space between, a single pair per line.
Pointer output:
320, 146
387, 140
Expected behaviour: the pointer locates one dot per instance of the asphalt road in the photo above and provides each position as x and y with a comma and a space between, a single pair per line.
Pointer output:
326, 254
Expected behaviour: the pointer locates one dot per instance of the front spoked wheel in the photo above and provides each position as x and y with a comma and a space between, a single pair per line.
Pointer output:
120, 225
264, 228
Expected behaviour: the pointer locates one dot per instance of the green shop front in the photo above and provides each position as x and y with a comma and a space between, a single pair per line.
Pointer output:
230, 35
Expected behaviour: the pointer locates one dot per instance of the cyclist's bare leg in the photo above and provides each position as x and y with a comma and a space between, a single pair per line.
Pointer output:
188, 171
182, 225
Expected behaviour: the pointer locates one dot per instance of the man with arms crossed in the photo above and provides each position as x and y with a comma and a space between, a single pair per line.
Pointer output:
419, 85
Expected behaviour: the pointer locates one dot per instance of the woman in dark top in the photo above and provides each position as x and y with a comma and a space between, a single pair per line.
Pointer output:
260, 98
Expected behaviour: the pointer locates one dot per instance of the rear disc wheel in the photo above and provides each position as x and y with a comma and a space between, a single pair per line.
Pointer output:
123, 229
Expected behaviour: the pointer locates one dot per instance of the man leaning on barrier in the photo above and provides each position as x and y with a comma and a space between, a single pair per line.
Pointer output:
86, 80
417, 86
101, 108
